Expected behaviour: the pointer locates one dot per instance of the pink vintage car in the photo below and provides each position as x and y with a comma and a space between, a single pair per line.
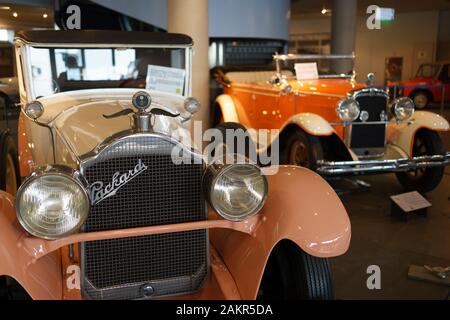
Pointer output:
104, 212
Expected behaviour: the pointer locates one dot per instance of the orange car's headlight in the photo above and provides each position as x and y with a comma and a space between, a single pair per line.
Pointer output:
348, 109
403, 108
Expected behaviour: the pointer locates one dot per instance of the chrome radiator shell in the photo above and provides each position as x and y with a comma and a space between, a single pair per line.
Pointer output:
162, 193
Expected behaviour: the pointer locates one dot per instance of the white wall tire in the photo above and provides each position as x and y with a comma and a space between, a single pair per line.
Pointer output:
421, 99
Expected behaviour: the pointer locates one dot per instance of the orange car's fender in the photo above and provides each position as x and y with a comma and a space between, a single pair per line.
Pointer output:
227, 107
402, 135
300, 207
41, 278
312, 124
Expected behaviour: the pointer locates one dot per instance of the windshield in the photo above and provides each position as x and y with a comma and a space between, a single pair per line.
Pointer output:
428, 70
67, 69
312, 66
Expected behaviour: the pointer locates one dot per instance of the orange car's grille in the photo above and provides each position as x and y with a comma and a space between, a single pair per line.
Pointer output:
158, 192
366, 136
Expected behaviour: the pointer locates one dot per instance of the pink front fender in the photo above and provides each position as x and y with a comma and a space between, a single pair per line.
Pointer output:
301, 207
41, 278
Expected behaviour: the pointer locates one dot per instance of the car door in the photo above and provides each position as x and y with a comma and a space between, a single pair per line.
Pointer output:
266, 111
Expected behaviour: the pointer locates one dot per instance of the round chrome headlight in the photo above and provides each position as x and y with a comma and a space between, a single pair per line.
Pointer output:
403, 108
348, 109
52, 202
235, 191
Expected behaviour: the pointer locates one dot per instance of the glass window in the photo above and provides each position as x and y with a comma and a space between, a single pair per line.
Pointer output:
68, 69
428, 70
68, 63
41, 72
99, 64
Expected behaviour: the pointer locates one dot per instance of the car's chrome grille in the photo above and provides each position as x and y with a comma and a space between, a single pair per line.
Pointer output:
369, 135
162, 193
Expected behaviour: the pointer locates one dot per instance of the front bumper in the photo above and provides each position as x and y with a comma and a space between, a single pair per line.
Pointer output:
341, 168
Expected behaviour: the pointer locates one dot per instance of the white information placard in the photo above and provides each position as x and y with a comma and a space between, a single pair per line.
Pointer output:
165, 79
411, 201
306, 71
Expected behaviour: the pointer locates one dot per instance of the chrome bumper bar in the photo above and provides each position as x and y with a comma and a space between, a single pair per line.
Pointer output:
330, 168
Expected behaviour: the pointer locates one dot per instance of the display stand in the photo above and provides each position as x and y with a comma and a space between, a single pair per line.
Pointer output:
409, 205
423, 274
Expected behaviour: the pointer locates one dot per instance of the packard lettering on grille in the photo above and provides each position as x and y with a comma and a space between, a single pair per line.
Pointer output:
99, 193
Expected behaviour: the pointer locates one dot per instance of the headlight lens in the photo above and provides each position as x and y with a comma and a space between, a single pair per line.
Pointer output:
191, 105
52, 203
236, 191
403, 108
348, 109
34, 110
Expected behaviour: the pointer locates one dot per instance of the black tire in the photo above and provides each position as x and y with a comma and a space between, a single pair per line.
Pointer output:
301, 149
424, 180
421, 99
3, 289
8, 158
249, 145
292, 274
10, 289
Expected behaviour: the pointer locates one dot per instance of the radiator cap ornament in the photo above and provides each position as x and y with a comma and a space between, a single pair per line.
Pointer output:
141, 100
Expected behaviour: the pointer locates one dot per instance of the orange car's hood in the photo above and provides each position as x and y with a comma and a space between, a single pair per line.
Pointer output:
340, 87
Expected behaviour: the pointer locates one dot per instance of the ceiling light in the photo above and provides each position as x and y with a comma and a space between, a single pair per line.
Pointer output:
5, 8
326, 11
45, 16
15, 15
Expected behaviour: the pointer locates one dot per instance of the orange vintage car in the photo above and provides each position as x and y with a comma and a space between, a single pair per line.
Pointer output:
332, 124
105, 212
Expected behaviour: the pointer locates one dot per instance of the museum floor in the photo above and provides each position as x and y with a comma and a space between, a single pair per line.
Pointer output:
378, 239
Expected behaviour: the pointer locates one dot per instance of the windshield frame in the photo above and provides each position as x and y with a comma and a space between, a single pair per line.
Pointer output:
27, 90
439, 67
281, 58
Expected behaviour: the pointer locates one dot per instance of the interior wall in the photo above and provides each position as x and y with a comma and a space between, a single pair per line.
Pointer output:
266, 19
412, 36
443, 47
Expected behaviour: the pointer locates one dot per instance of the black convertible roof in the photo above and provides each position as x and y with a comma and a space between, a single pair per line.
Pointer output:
103, 37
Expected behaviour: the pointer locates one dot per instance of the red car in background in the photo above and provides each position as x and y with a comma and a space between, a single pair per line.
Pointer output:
430, 84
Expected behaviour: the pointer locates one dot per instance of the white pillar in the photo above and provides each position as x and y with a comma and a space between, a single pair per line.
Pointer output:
343, 32
191, 18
